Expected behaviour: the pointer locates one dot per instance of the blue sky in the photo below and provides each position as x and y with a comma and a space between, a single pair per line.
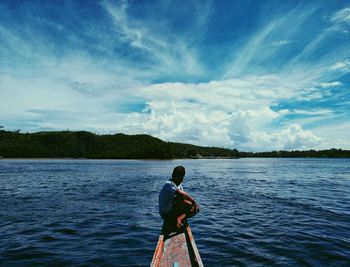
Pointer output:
251, 75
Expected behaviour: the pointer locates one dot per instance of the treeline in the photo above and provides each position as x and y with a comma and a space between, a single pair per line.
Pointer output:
329, 153
82, 144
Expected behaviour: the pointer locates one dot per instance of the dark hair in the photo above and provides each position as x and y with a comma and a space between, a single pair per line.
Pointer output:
178, 172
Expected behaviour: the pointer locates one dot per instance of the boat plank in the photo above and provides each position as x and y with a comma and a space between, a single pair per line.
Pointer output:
175, 252
176, 249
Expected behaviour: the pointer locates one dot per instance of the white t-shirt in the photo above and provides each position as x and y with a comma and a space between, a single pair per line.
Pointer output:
167, 197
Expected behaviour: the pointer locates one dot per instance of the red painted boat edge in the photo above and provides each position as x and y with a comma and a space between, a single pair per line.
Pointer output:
158, 252
197, 258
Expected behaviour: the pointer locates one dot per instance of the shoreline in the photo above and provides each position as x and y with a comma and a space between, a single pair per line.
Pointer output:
105, 159
209, 158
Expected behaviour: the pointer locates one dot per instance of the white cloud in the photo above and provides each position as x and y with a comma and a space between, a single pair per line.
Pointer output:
341, 20
334, 134
341, 66
176, 121
281, 42
342, 15
290, 138
231, 113
316, 112
330, 84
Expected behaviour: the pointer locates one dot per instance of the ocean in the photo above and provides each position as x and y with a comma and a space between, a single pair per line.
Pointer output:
253, 211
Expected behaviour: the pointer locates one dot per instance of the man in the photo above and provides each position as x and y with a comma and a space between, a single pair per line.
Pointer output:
175, 204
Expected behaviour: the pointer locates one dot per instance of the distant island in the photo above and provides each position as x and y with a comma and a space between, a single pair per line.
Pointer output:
83, 144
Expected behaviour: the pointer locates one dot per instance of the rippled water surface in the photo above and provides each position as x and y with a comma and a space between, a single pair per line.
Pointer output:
254, 212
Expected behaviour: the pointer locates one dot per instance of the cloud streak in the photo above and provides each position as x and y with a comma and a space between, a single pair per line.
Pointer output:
169, 53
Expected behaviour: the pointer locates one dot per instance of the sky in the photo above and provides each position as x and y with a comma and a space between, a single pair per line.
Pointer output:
251, 75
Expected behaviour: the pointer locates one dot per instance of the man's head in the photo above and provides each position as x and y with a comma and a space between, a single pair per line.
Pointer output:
178, 174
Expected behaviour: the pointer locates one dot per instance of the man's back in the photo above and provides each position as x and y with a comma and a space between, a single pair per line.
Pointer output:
167, 197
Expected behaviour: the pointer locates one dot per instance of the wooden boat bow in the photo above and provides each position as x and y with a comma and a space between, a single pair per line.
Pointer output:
176, 249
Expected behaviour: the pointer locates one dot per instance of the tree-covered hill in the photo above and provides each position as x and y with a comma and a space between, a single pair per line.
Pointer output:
82, 144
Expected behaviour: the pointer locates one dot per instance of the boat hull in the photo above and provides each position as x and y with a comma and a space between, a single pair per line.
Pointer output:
176, 249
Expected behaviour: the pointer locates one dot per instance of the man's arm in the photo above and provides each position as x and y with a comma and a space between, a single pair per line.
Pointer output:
185, 195
188, 198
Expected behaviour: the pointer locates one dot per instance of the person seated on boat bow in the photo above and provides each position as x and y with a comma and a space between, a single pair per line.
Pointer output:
175, 204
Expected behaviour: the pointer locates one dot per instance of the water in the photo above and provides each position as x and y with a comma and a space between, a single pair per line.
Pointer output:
254, 212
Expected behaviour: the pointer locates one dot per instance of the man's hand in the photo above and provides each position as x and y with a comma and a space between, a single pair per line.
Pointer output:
195, 208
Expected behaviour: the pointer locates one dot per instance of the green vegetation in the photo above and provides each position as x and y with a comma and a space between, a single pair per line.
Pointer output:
329, 153
81, 144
